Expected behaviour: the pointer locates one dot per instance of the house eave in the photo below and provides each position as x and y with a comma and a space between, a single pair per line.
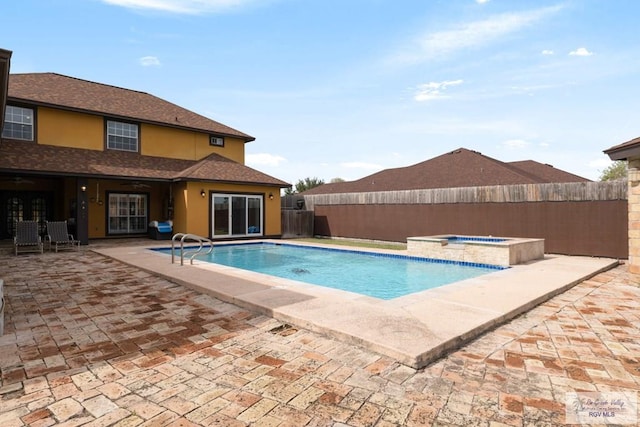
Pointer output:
5, 64
26, 172
220, 181
624, 153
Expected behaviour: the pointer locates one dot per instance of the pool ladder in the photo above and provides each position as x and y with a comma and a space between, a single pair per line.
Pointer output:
190, 238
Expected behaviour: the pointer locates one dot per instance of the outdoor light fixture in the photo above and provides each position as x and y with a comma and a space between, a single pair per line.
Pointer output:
202, 193
270, 196
83, 188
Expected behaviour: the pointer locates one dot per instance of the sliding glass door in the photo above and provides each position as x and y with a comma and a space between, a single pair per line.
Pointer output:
221, 215
127, 213
236, 215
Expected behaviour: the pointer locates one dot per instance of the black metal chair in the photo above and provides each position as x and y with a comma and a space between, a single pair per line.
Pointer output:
27, 238
58, 236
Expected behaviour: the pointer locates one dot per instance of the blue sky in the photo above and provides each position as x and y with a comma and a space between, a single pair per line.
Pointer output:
345, 88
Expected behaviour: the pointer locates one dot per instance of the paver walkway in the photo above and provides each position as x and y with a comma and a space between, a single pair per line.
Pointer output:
90, 341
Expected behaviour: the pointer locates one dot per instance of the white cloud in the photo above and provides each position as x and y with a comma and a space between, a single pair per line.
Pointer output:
515, 144
581, 51
482, 1
434, 90
264, 159
547, 52
361, 165
149, 61
471, 35
181, 6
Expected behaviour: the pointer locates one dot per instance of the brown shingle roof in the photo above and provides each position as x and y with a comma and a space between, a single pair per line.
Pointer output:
52, 160
224, 169
82, 95
547, 173
458, 168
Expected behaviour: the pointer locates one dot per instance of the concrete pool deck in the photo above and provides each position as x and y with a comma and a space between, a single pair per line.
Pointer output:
94, 342
414, 330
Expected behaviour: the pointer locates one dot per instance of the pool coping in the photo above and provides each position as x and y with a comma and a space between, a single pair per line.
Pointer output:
415, 329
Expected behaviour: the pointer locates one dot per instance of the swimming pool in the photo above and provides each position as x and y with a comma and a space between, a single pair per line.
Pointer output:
379, 275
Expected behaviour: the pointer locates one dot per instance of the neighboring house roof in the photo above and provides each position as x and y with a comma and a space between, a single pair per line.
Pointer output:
63, 92
53, 160
624, 151
546, 172
458, 168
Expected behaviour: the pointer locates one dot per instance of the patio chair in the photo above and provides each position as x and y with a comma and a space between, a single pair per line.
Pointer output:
58, 236
27, 238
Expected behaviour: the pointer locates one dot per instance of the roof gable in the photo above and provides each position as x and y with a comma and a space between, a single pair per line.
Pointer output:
220, 168
65, 92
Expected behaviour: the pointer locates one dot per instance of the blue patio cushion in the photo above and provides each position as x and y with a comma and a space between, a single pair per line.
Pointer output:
164, 227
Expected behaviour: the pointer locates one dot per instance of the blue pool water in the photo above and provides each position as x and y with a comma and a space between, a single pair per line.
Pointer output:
383, 276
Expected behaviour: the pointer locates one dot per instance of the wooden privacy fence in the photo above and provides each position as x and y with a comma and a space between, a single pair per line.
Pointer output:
562, 192
297, 223
574, 218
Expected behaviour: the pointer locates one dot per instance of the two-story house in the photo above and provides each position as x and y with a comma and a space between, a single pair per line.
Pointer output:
111, 160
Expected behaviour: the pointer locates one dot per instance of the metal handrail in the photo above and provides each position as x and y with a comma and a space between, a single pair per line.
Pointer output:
191, 237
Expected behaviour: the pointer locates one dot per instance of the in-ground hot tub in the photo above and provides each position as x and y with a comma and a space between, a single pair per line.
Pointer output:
504, 251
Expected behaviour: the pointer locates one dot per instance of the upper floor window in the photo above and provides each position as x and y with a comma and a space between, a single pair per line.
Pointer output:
122, 136
18, 123
218, 141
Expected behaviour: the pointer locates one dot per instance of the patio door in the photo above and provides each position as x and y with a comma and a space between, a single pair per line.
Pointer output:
236, 215
24, 205
127, 213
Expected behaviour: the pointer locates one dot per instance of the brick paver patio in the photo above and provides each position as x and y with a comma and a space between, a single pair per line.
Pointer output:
90, 341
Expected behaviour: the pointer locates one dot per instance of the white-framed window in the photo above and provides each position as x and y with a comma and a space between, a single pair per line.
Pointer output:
218, 141
127, 213
122, 136
237, 215
18, 123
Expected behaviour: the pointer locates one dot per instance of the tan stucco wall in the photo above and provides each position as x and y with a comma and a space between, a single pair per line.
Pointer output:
69, 129
633, 177
80, 130
180, 219
182, 144
198, 208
